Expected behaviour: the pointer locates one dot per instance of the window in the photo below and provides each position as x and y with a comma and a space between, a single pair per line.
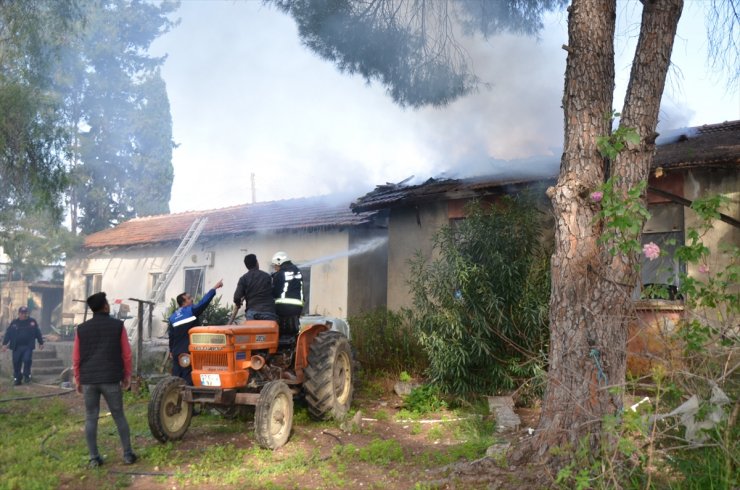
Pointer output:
93, 284
665, 229
153, 278
194, 278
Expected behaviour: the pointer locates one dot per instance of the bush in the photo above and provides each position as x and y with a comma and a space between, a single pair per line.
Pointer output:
384, 342
214, 314
480, 309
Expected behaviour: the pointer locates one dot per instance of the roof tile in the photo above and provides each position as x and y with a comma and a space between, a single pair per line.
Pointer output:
288, 215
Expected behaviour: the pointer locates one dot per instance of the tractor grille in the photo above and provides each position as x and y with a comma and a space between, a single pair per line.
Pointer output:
211, 361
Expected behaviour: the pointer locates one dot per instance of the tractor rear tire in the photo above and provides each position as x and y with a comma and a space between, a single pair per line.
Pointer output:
329, 382
169, 416
273, 416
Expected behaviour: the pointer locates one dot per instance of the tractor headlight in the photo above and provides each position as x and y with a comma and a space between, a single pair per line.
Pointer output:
183, 360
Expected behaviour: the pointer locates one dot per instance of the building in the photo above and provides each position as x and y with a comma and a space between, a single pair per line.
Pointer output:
342, 256
690, 163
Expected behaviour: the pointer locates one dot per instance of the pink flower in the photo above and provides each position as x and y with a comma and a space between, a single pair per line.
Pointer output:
597, 196
651, 251
704, 269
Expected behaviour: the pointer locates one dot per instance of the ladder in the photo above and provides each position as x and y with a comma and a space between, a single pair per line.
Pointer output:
160, 286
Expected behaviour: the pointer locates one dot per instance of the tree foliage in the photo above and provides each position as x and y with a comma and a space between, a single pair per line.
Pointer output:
408, 45
118, 105
32, 136
480, 308
723, 32
83, 111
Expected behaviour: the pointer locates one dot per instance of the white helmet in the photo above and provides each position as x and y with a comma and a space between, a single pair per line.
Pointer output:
279, 258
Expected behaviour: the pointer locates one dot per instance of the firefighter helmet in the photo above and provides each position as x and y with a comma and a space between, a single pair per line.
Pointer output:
279, 258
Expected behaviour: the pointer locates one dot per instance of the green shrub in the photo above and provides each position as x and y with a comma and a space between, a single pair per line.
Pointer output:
424, 399
480, 308
384, 342
214, 314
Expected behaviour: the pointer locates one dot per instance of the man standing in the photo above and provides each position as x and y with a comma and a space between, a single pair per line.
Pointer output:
255, 288
101, 360
22, 335
180, 322
287, 289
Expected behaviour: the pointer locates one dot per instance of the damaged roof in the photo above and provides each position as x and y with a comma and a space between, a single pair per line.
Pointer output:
304, 214
391, 195
708, 145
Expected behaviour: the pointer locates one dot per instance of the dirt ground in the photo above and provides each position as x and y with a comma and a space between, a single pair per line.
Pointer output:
321, 440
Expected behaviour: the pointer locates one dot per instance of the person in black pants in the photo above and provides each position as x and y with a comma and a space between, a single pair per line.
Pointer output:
287, 289
101, 359
22, 335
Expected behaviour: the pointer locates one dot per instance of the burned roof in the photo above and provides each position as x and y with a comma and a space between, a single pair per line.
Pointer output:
392, 195
708, 145
304, 214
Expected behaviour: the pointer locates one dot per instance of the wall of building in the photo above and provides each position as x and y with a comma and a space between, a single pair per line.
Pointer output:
410, 229
13, 295
709, 182
326, 250
126, 272
368, 270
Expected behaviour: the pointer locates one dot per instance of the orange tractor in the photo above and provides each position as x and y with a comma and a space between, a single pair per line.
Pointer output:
251, 364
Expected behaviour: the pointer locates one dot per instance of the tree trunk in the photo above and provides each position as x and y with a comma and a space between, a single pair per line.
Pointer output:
591, 290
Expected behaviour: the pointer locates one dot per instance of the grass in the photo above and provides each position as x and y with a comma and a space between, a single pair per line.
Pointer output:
40, 443
44, 448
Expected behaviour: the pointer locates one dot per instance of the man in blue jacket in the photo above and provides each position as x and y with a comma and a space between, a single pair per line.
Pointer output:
21, 336
180, 323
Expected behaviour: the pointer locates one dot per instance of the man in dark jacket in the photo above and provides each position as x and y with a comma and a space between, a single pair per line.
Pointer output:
287, 289
180, 322
101, 360
255, 288
22, 335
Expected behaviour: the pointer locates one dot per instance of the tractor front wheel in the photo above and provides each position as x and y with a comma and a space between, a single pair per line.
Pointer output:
169, 416
273, 416
329, 376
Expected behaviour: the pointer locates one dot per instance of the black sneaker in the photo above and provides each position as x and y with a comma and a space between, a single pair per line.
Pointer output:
27, 379
130, 458
95, 462
16, 382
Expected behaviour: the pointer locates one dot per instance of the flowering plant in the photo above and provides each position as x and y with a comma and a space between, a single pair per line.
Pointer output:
651, 251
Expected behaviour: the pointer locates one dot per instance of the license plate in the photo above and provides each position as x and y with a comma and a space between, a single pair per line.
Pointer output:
210, 380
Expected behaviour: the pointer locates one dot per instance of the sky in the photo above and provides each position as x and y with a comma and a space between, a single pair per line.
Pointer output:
248, 99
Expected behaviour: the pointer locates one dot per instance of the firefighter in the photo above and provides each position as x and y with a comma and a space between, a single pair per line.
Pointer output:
287, 289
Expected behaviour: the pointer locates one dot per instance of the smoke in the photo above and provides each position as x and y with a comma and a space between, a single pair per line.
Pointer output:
359, 249
673, 116
305, 129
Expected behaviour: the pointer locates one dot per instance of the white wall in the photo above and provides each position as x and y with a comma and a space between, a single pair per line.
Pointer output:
125, 272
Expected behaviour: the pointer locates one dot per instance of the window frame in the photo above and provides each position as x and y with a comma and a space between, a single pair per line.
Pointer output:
200, 285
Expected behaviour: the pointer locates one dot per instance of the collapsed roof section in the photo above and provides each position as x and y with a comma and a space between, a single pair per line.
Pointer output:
703, 146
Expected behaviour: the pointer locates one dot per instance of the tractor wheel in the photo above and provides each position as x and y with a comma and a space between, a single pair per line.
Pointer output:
273, 416
329, 376
169, 416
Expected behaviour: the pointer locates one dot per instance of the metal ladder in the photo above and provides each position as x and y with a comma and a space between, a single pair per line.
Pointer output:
157, 293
